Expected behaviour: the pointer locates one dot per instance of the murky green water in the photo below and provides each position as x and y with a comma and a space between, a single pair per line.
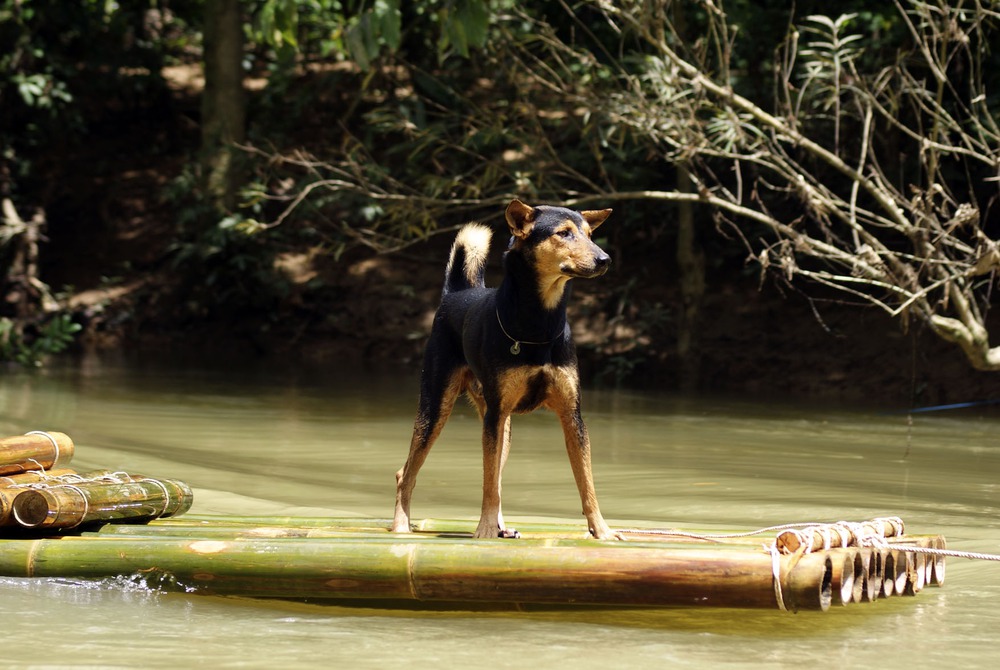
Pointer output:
324, 442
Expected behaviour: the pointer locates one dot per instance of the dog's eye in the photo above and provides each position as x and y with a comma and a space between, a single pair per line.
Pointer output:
565, 233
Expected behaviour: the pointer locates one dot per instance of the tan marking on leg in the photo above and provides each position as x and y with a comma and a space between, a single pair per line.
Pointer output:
563, 398
493, 436
565, 402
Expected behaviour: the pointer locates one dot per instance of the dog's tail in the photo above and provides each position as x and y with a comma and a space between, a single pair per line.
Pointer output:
467, 262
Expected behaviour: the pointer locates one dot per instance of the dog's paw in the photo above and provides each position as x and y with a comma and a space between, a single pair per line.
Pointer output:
605, 533
485, 532
401, 525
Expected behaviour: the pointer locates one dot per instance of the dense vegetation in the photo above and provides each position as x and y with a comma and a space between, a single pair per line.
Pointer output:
846, 151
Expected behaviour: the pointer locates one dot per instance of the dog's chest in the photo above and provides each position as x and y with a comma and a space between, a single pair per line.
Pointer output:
525, 389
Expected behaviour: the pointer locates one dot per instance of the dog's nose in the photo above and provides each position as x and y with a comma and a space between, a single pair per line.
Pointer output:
602, 261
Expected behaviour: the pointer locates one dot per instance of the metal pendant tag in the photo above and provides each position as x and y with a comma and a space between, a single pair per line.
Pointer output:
515, 348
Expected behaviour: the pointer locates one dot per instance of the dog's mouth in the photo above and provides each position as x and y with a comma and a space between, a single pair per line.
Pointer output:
584, 273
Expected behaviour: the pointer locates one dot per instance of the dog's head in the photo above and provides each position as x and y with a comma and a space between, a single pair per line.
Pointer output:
556, 243
558, 239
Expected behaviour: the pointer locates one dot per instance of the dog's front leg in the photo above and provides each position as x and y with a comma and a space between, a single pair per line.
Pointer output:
496, 437
578, 449
505, 450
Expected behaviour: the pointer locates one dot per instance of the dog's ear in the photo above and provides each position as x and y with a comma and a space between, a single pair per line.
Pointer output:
595, 217
520, 218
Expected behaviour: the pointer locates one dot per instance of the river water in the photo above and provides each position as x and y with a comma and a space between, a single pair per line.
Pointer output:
259, 440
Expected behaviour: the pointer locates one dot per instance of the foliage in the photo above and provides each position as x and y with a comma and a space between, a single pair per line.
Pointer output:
63, 66
851, 144
27, 350
898, 216
62, 55
366, 30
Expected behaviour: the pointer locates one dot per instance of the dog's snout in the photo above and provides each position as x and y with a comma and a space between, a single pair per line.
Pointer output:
602, 261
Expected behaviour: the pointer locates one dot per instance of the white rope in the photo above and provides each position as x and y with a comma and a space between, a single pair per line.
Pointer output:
86, 503
933, 551
51, 439
776, 577
712, 536
166, 494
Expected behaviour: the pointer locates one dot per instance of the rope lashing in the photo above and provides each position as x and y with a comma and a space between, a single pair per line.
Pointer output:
55, 444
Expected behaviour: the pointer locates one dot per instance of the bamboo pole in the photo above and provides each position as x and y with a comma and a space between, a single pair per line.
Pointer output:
461, 527
69, 505
34, 477
37, 450
829, 536
445, 570
224, 532
180, 497
283, 526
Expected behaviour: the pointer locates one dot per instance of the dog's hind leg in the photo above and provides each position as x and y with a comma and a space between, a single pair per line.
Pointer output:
437, 398
504, 451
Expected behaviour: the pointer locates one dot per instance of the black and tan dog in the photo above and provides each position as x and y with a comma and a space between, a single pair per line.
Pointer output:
510, 349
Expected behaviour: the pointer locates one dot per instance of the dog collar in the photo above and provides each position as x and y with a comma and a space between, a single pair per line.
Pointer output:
515, 348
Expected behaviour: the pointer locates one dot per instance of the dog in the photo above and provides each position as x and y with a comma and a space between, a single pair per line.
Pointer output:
509, 349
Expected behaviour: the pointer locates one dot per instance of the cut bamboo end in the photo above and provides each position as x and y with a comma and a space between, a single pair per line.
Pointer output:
915, 564
872, 575
857, 565
937, 562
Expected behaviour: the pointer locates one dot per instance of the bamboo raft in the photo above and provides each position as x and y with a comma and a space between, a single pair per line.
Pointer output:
805, 568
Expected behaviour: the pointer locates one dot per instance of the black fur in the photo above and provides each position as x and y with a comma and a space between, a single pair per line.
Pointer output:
510, 349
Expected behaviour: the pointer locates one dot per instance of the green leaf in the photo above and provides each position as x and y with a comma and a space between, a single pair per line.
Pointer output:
354, 39
389, 19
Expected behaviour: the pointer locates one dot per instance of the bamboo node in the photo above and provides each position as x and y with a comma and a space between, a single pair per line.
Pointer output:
208, 546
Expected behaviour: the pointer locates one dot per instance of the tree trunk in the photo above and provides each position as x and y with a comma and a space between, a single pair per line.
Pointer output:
691, 266
690, 257
223, 103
